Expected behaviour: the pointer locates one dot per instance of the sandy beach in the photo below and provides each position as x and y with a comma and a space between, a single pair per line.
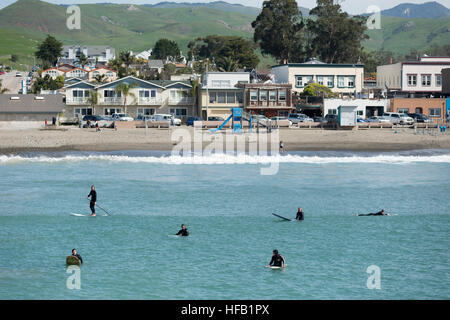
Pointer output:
15, 141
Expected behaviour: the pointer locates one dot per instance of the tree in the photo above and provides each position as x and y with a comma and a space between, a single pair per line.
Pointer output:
14, 58
59, 81
227, 64
100, 78
49, 50
93, 99
278, 29
2, 90
317, 90
336, 37
165, 48
47, 83
83, 60
125, 90
126, 58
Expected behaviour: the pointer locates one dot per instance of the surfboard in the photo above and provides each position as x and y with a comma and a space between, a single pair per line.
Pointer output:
286, 219
72, 260
276, 268
87, 215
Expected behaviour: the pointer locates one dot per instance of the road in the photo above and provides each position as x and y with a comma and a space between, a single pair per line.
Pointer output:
12, 82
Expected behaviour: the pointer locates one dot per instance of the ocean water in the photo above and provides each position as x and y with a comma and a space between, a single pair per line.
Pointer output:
226, 204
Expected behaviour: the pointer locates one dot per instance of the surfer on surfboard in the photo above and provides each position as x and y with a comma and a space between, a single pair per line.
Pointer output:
75, 254
299, 214
93, 195
379, 213
277, 260
183, 231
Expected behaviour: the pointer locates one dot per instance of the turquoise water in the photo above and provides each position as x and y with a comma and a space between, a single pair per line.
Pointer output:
227, 208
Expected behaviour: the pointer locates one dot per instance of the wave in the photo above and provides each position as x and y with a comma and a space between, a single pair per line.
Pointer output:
230, 159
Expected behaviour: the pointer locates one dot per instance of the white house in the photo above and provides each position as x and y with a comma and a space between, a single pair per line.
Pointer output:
346, 79
95, 54
423, 76
364, 107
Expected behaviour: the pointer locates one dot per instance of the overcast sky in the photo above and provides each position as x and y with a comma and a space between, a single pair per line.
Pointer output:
351, 6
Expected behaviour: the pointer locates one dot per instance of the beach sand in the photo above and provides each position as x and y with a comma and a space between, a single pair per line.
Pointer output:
14, 141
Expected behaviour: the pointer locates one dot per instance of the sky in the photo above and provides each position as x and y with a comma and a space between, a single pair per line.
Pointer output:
351, 6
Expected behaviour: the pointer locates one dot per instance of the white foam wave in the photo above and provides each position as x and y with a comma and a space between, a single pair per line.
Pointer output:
232, 159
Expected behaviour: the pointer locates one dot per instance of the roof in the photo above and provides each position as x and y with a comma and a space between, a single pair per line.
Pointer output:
156, 63
27, 103
170, 83
133, 78
320, 65
92, 50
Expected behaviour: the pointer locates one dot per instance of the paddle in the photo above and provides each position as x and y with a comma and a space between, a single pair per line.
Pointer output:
103, 209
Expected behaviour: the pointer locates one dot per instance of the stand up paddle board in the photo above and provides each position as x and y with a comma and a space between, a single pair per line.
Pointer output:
286, 219
87, 215
72, 260
276, 268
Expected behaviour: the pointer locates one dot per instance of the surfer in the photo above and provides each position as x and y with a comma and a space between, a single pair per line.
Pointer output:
379, 213
299, 214
281, 147
93, 195
75, 254
277, 260
183, 231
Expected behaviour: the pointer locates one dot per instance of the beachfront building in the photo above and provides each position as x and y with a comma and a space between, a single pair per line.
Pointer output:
364, 108
220, 92
80, 73
419, 78
268, 99
143, 98
108, 74
344, 79
29, 108
95, 54
434, 108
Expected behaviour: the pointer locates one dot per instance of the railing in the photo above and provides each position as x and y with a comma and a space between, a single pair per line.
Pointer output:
185, 100
112, 100
77, 100
149, 101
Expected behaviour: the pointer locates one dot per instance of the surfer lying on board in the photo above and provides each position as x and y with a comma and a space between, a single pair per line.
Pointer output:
183, 232
75, 254
93, 195
277, 260
299, 214
379, 213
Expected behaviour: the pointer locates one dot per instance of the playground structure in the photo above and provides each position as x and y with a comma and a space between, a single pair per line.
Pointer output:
237, 117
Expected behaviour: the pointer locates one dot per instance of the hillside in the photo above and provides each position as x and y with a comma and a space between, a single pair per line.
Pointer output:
427, 10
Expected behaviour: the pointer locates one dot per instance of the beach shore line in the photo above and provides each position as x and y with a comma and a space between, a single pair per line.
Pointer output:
15, 141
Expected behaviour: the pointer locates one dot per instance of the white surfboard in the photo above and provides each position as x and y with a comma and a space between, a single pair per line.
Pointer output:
87, 215
276, 268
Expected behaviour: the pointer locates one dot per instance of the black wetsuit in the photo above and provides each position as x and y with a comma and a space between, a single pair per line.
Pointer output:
183, 232
78, 256
277, 261
93, 195
379, 213
299, 215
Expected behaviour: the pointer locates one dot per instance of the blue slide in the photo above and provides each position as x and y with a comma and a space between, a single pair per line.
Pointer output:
222, 125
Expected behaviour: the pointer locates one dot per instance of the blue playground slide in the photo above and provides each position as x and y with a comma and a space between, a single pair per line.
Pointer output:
222, 125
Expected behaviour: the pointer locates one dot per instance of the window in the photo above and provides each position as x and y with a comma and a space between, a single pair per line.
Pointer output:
273, 95
231, 98
263, 95
346, 81
79, 112
221, 97
332, 111
341, 81
212, 97
111, 94
111, 111
351, 82
412, 80
253, 95
438, 80
359, 112
180, 112
320, 80
403, 110
239, 97
330, 81
302, 81
109, 74
146, 111
144, 94
220, 83
435, 112
426, 80
282, 95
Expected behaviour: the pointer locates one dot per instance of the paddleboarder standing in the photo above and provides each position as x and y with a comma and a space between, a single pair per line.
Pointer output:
93, 195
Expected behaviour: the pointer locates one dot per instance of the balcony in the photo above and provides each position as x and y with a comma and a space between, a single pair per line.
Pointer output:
149, 101
77, 101
181, 101
112, 100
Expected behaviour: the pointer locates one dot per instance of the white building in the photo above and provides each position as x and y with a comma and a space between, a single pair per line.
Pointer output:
423, 76
95, 54
364, 107
346, 79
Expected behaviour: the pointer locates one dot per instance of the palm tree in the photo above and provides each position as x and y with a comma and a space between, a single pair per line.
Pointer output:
227, 64
100, 78
127, 59
3, 90
83, 60
124, 88
193, 91
93, 99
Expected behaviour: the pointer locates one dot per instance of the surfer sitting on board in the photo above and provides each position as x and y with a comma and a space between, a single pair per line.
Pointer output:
75, 254
183, 232
277, 260
93, 195
299, 214
379, 213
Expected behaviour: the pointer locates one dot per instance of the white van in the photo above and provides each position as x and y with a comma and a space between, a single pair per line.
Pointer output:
392, 117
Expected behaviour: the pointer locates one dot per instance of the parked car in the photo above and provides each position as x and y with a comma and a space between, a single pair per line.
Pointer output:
2, 73
331, 118
377, 119
393, 117
190, 120
35, 68
419, 117
281, 119
359, 119
216, 119
102, 122
405, 119
320, 119
166, 117
299, 117
18, 74
261, 119
143, 117
121, 117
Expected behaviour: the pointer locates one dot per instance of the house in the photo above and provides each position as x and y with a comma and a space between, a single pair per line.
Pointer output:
420, 78
145, 55
220, 92
30, 107
364, 108
268, 99
95, 54
109, 74
344, 79
434, 108
156, 65
144, 98
53, 72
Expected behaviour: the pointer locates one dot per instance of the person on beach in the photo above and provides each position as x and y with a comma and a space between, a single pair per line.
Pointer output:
281, 147
183, 231
379, 213
93, 202
75, 254
299, 214
277, 260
